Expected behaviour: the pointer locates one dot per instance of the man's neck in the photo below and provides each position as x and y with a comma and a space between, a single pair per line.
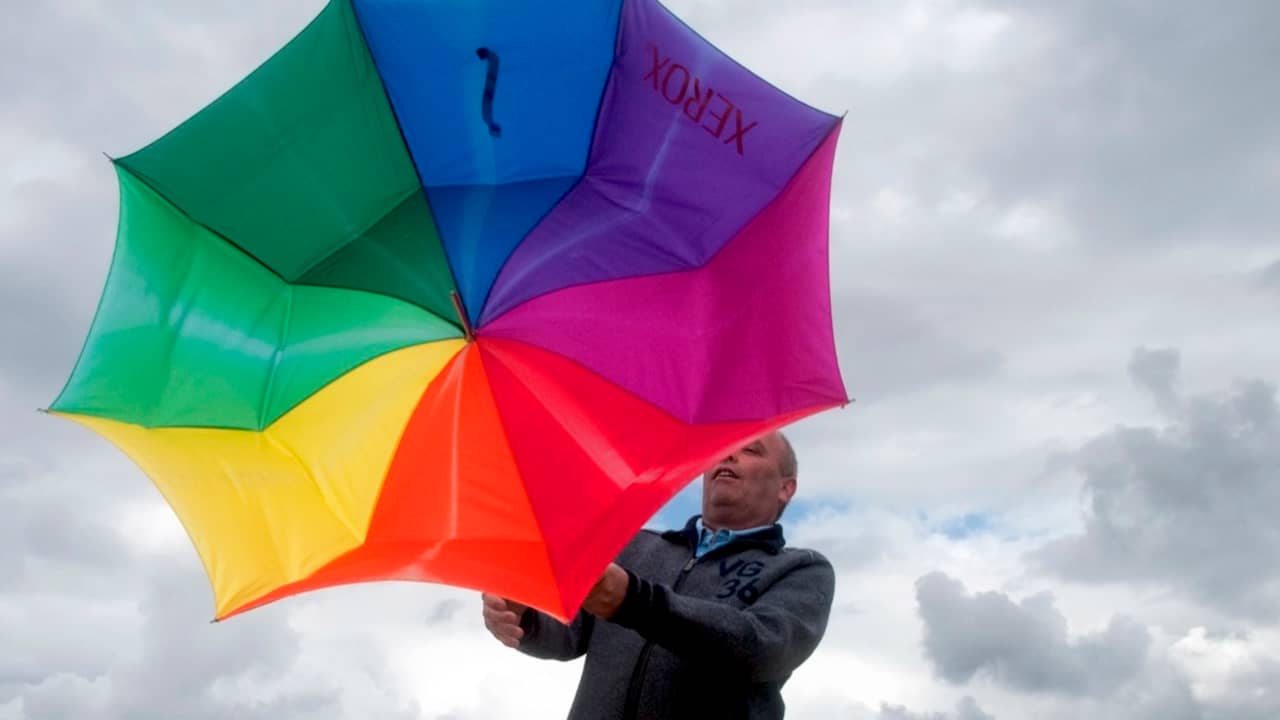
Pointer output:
733, 526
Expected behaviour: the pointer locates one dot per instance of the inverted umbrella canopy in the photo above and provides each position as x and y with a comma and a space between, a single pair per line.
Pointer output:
461, 292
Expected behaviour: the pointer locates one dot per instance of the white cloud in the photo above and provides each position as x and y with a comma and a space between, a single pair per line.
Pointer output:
1219, 665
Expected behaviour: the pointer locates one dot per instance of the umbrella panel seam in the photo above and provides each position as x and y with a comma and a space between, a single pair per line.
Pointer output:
591, 143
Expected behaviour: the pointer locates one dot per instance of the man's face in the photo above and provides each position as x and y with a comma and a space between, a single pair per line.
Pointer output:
747, 488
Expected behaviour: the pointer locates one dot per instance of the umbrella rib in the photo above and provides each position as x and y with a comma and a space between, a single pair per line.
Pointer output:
142, 177
506, 439
275, 358
288, 450
360, 364
462, 315
146, 181
746, 222
505, 261
595, 127
404, 143
838, 120
359, 234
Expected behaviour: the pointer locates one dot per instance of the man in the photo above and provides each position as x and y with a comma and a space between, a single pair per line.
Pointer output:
706, 622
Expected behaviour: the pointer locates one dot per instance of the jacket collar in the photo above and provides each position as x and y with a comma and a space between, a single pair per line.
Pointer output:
769, 539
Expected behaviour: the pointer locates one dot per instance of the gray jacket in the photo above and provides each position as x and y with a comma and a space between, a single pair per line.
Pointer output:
706, 638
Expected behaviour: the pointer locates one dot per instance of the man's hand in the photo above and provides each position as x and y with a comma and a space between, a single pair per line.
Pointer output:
502, 618
608, 592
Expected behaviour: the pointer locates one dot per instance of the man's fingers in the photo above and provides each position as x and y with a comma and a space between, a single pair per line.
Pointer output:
509, 635
502, 619
494, 618
501, 603
498, 611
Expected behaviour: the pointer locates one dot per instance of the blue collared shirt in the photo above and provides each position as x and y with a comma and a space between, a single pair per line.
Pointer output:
709, 540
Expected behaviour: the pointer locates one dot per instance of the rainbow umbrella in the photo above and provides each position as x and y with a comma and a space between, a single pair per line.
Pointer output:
461, 292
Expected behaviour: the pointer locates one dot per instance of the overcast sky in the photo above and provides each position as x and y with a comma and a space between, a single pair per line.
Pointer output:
1056, 271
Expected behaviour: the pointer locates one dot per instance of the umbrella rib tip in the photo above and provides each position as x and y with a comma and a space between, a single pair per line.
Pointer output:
462, 315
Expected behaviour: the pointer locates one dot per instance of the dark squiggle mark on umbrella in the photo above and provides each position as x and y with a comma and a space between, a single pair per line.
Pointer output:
490, 83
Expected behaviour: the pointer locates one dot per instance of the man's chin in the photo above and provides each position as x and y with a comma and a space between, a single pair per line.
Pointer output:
722, 500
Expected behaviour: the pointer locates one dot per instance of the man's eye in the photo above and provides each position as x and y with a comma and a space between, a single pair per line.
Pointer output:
752, 450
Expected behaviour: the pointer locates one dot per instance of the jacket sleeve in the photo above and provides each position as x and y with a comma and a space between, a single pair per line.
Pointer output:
767, 640
548, 638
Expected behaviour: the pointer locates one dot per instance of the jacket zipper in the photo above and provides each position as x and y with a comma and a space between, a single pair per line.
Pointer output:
632, 707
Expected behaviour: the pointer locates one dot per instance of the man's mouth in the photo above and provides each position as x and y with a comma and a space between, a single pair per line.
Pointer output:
723, 473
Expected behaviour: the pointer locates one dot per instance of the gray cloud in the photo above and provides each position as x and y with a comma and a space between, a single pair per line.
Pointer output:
1191, 505
1146, 119
180, 665
1023, 645
1269, 276
66, 574
889, 347
53, 271
179, 644
1143, 123
966, 709
64, 492
1252, 693
1157, 372
1161, 693
52, 534
444, 612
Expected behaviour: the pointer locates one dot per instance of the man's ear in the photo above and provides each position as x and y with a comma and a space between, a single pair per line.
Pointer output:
787, 491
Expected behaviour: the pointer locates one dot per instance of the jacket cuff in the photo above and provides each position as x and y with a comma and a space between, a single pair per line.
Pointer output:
528, 621
643, 601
